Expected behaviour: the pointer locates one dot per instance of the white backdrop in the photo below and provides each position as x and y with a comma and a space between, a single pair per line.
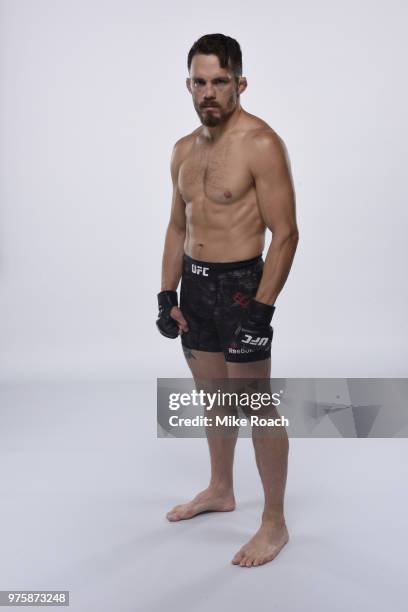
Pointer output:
92, 99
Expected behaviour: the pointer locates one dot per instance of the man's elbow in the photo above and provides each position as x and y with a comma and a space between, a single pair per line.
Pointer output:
294, 236
176, 228
292, 239
287, 234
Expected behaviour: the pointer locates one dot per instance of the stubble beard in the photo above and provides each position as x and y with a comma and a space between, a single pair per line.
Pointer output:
212, 120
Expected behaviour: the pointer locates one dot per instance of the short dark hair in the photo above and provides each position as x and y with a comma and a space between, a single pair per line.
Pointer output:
227, 50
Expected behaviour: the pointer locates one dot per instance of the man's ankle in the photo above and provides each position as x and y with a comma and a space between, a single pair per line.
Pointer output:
221, 488
272, 517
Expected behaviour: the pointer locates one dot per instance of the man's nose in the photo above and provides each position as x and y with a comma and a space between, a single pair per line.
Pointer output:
209, 91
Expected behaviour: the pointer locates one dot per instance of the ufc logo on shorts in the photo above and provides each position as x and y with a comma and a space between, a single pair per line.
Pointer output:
199, 270
257, 341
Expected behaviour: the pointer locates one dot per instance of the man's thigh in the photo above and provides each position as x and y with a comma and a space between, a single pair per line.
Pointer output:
254, 369
206, 364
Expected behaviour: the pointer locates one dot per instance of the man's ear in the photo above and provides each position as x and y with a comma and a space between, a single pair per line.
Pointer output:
242, 84
188, 84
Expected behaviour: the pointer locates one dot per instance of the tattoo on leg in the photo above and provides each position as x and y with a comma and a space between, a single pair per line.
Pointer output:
188, 353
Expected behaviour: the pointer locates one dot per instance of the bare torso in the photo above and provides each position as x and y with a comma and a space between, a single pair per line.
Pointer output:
223, 222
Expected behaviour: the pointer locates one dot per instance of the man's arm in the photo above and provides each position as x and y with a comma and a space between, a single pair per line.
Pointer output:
176, 231
269, 165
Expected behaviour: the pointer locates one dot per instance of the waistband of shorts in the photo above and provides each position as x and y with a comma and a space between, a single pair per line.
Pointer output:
222, 266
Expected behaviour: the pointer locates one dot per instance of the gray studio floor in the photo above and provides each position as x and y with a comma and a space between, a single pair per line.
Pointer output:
85, 486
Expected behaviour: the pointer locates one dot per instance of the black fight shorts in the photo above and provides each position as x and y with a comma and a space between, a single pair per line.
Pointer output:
212, 299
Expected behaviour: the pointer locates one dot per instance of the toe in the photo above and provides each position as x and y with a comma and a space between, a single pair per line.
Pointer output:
173, 513
237, 558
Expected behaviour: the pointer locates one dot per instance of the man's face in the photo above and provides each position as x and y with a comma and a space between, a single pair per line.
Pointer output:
214, 90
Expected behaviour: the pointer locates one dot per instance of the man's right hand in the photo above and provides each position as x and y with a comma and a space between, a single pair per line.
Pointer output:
171, 321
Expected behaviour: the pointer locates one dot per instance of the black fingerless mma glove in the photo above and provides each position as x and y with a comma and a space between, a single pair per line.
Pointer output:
254, 330
165, 324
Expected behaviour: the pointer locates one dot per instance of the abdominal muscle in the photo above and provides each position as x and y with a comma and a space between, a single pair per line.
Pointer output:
223, 232
222, 252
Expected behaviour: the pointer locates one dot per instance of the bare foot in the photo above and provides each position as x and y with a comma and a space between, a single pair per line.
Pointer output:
208, 500
264, 546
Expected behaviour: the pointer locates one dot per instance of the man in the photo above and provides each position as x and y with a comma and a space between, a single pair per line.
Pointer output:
231, 179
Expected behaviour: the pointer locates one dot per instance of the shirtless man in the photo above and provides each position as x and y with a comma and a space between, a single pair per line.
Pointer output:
231, 180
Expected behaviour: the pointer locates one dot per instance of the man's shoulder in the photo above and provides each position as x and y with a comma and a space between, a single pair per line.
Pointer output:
181, 149
185, 142
260, 135
263, 144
